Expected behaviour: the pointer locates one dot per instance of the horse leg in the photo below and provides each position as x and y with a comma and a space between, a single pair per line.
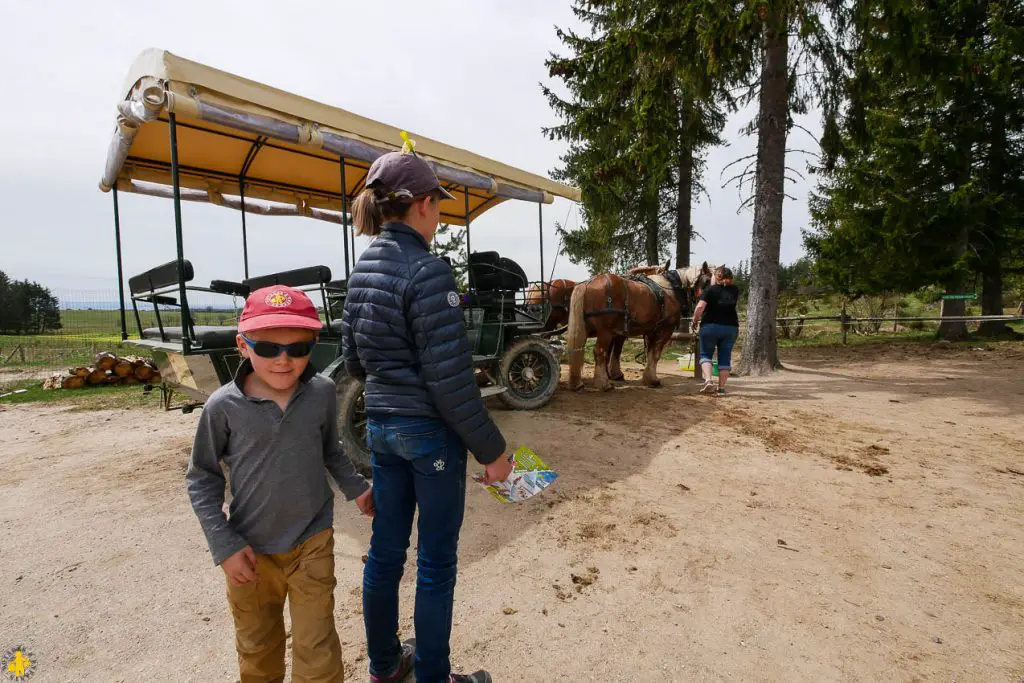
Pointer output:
656, 342
614, 371
602, 351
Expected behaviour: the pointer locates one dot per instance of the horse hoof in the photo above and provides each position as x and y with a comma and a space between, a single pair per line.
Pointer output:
607, 387
653, 383
618, 378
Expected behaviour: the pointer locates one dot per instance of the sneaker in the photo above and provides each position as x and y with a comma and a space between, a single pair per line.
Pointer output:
404, 666
478, 677
721, 392
708, 387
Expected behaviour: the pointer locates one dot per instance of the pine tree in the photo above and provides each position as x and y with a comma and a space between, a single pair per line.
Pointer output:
450, 242
636, 128
924, 185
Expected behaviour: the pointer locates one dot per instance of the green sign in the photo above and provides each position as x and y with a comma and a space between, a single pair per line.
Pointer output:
959, 296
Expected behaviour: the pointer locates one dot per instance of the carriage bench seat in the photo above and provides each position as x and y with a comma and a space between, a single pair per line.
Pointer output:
299, 277
492, 272
229, 287
208, 336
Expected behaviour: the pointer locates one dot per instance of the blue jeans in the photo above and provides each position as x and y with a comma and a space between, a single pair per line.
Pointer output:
721, 337
416, 462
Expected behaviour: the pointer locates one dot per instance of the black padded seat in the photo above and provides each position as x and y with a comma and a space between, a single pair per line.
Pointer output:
300, 277
492, 272
208, 336
160, 277
229, 287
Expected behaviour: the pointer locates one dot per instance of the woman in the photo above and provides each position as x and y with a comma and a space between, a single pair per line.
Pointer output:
403, 330
721, 326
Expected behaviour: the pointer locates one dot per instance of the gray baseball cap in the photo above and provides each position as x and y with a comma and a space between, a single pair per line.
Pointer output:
402, 175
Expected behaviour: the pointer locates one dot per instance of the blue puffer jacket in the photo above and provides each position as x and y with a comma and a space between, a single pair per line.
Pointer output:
403, 330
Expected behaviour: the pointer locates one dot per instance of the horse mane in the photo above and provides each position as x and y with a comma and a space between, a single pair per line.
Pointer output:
647, 270
690, 274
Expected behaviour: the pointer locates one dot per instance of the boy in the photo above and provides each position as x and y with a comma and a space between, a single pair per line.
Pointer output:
275, 428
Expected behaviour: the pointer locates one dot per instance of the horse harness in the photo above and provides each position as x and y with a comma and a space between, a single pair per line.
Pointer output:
681, 295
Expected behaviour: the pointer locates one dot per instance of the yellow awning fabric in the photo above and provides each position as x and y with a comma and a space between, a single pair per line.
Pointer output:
288, 148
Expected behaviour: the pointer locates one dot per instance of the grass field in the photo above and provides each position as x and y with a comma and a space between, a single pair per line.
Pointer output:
93, 398
84, 333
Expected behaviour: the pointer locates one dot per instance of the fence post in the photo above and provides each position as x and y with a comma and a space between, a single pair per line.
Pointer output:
843, 323
895, 315
21, 352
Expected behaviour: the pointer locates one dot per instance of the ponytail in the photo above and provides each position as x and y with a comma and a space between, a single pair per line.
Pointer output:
366, 214
370, 212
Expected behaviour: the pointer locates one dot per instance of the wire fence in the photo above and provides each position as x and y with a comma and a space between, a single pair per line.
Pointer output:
90, 322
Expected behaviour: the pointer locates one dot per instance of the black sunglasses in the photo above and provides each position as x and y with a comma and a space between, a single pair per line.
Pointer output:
265, 349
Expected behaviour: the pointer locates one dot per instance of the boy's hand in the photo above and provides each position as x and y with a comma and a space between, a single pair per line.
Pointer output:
498, 470
241, 567
365, 503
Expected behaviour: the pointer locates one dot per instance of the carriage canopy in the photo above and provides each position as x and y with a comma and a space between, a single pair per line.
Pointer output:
279, 153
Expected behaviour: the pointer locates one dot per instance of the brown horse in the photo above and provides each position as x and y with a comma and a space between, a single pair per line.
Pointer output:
557, 294
612, 308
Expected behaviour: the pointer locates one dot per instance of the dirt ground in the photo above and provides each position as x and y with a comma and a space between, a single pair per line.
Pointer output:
858, 517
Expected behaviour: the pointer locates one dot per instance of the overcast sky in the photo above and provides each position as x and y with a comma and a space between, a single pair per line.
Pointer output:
465, 73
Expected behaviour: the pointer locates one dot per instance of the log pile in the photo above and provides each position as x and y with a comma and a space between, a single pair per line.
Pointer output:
108, 369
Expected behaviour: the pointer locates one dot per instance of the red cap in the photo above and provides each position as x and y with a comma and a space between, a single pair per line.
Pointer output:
279, 306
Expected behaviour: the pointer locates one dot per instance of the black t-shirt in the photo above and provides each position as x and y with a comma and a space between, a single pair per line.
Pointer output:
721, 305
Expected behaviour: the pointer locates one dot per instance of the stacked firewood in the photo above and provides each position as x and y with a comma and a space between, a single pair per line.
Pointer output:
109, 369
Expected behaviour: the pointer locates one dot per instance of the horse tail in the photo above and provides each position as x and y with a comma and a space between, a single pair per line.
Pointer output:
576, 336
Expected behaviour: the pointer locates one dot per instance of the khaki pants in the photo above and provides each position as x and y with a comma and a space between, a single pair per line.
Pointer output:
306, 576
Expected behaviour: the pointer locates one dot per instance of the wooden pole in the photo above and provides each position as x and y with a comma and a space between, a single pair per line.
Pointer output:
16, 349
843, 323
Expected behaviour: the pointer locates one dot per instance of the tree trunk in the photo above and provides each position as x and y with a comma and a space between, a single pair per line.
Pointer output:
144, 372
760, 348
955, 330
684, 207
993, 249
964, 94
651, 241
124, 368
992, 298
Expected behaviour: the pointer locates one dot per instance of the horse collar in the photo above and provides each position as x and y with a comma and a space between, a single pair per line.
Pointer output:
677, 286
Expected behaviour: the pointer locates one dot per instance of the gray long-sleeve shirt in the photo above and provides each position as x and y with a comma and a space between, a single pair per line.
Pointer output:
280, 495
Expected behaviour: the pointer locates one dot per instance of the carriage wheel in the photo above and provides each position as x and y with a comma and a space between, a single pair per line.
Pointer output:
530, 372
352, 421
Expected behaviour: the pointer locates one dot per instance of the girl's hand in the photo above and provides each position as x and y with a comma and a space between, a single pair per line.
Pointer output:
498, 470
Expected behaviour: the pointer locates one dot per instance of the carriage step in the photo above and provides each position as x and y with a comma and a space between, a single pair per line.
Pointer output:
492, 391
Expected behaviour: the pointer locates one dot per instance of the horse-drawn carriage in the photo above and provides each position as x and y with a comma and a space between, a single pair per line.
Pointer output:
189, 132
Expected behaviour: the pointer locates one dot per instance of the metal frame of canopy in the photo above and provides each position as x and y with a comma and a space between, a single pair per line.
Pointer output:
261, 150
